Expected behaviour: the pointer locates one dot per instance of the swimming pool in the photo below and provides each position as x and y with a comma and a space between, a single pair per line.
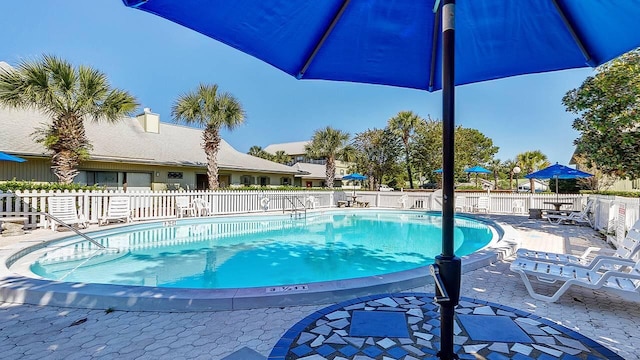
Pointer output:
264, 251
242, 262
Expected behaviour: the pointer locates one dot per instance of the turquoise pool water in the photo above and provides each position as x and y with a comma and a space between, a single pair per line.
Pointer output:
238, 252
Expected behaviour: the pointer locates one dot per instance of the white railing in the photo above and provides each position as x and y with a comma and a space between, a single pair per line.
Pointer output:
162, 205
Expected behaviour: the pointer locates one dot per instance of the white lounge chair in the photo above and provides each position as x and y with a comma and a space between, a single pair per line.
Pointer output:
184, 206
119, 209
202, 207
482, 205
626, 250
63, 209
576, 217
621, 276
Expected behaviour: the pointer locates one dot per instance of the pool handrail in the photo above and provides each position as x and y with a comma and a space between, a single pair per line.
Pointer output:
45, 214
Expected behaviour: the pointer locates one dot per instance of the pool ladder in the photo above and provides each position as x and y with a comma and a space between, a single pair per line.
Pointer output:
296, 213
62, 223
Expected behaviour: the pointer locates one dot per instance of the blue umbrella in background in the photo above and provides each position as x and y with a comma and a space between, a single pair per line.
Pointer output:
558, 171
477, 170
413, 44
354, 176
7, 157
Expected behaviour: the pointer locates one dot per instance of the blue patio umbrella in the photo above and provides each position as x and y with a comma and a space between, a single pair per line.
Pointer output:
477, 170
558, 171
7, 157
413, 44
354, 176
438, 171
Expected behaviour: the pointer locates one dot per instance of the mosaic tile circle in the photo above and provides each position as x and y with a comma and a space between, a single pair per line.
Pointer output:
406, 326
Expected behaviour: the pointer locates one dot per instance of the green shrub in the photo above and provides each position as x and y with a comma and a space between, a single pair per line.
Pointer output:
14, 186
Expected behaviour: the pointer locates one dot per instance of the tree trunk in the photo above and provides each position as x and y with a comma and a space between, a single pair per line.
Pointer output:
330, 171
211, 138
406, 150
70, 146
533, 185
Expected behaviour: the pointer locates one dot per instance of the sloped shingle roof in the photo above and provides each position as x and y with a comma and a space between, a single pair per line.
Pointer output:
292, 148
126, 141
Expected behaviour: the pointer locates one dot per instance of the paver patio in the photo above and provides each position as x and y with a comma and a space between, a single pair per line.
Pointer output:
36, 332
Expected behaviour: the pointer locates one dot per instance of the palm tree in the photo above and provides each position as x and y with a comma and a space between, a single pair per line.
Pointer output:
508, 165
328, 143
404, 124
495, 166
531, 161
281, 157
255, 150
69, 95
207, 108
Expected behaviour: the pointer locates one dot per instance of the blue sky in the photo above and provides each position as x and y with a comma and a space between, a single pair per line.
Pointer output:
157, 60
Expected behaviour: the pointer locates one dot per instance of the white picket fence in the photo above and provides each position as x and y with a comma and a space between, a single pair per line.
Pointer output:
162, 205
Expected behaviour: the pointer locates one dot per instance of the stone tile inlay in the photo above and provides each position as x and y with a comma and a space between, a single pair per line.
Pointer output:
407, 326
493, 328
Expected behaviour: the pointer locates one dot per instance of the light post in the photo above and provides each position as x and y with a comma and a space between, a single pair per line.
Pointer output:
516, 170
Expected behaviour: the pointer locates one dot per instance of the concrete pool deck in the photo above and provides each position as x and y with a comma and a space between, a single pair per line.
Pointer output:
34, 332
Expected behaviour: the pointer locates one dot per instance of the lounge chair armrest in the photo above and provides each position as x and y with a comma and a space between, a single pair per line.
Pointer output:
609, 274
601, 261
591, 249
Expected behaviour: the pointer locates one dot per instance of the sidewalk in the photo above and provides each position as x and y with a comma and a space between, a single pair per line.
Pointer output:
34, 332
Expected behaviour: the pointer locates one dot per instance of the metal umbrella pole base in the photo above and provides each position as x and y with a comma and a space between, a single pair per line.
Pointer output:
446, 273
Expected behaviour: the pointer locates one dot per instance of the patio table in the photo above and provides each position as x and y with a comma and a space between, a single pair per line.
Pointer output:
557, 204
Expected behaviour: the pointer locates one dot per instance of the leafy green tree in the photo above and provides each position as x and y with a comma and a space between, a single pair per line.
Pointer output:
531, 161
329, 144
70, 96
472, 148
404, 125
377, 154
609, 122
427, 149
205, 107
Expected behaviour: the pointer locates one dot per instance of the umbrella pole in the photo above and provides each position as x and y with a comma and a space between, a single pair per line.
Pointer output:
447, 267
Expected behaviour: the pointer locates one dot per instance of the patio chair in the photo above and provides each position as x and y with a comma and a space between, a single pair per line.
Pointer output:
482, 204
184, 207
119, 209
311, 202
576, 217
608, 274
460, 203
403, 201
63, 209
629, 247
517, 206
202, 207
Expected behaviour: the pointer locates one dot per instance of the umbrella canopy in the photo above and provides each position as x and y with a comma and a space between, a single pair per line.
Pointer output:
7, 157
558, 171
439, 171
400, 43
414, 44
354, 176
478, 170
